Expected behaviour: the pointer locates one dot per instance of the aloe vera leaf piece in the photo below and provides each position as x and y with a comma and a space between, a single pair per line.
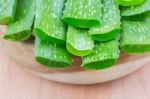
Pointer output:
7, 11
135, 37
79, 43
104, 55
139, 17
48, 22
138, 10
110, 22
51, 55
21, 28
83, 13
129, 2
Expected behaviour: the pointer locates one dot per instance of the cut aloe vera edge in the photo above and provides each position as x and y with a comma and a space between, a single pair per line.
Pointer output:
7, 11
110, 26
79, 43
48, 23
135, 37
51, 55
103, 56
137, 12
21, 28
129, 2
83, 13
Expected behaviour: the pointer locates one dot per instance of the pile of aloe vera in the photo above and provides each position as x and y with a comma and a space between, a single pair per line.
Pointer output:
94, 30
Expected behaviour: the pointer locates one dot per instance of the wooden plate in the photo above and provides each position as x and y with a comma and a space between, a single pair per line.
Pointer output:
24, 54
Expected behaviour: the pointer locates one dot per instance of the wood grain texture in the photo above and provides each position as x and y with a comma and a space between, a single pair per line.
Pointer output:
17, 83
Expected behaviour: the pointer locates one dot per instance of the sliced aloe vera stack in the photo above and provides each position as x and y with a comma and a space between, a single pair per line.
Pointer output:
83, 13
110, 22
79, 43
7, 11
129, 2
137, 12
48, 23
21, 28
135, 37
51, 55
103, 56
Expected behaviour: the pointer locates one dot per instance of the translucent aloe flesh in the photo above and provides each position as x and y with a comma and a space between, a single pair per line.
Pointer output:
83, 13
7, 11
110, 26
51, 55
141, 11
48, 22
79, 43
103, 56
21, 28
129, 2
135, 37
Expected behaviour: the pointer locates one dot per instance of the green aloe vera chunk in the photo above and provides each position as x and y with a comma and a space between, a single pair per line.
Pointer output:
104, 55
7, 11
79, 43
129, 2
110, 22
21, 28
139, 17
48, 22
83, 13
135, 37
51, 55
137, 12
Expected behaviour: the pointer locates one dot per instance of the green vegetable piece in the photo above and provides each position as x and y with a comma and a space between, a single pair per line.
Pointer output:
135, 37
79, 43
110, 22
83, 13
139, 17
7, 11
129, 2
51, 55
103, 56
48, 23
138, 12
21, 28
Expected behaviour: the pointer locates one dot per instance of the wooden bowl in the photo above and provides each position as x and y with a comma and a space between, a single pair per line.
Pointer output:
24, 54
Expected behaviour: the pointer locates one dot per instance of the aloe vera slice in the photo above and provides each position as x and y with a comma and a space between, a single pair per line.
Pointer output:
110, 22
129, 2
7, 11
103, 56
83, 13
135, 37
21, 28
48, 23
137, 12
139, 17
51, 55
79, 43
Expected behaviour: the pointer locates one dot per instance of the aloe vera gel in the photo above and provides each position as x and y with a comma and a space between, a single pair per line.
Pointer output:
96, 31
